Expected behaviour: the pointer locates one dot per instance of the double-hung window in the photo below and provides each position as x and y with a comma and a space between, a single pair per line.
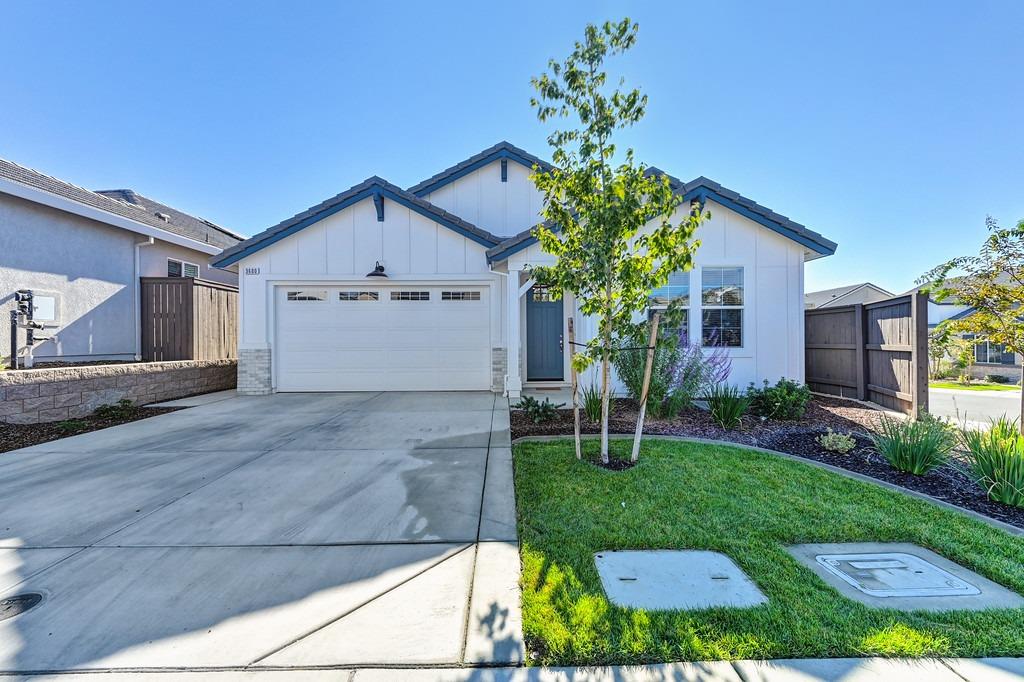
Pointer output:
721, 297
178, 268
677, 294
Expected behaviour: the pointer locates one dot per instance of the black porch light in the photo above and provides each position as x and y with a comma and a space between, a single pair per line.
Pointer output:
378, 271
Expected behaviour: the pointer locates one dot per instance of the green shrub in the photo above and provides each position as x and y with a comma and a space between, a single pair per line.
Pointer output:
997, 379
785, 400
69, 425
592, 402
997, 460
122, 410
837, 442
727, 405
680, 371
915, 446
538, 412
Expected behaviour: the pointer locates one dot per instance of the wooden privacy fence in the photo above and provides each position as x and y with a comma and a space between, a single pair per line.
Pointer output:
188, 319
875, 351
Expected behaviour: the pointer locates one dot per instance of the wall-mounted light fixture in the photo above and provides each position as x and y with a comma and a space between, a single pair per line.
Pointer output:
378, 271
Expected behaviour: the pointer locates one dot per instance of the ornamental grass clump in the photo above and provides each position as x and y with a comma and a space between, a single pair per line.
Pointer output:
727, 405
914, 446
997, 460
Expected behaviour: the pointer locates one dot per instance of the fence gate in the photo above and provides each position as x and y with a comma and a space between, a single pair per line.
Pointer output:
188, 319
875, 351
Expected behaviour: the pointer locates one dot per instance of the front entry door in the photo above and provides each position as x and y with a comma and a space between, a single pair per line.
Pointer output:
543, 336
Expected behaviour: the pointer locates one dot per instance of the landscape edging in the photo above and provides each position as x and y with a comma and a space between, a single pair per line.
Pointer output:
995, 523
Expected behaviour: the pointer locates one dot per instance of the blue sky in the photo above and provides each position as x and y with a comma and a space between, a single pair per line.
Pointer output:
891, 128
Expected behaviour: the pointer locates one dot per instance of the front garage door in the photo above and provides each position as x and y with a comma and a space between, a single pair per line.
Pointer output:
382, 338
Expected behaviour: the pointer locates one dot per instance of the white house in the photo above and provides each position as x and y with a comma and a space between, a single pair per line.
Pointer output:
451, 305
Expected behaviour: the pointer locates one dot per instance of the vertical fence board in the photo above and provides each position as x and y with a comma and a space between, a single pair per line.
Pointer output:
188, 319
876, 352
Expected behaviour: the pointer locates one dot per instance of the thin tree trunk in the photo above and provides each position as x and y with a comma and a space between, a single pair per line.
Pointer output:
643, 392
606, 344
575, 389
1020, 422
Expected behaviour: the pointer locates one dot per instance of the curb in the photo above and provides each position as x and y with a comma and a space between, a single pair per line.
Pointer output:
995, 523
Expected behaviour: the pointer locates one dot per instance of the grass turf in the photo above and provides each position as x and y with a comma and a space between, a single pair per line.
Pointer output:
748, 505
956, 385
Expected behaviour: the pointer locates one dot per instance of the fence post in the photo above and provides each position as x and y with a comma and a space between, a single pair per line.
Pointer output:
919, 355
860, 340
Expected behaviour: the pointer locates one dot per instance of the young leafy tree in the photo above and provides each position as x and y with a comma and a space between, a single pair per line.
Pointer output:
597, 201
993, 284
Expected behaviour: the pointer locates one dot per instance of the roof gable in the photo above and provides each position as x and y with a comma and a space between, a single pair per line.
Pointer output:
375, 188
502, 150
702, 189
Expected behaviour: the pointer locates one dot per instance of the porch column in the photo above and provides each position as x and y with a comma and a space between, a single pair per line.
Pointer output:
513, 380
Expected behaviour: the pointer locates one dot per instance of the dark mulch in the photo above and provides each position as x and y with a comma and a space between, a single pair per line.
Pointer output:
951, 483
14, 436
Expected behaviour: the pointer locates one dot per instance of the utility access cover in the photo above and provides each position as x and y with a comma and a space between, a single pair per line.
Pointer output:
675, 579
895, 574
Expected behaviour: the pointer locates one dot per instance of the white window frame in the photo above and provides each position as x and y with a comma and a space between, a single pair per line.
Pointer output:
688, 308
182, 263
741, 308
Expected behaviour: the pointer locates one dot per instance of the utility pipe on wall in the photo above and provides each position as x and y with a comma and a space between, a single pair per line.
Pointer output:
138, 297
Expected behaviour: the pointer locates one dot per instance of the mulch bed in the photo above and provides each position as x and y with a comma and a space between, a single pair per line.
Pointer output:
950, 483
14, 436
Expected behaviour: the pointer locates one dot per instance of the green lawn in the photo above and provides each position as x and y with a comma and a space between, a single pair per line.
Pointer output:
747, 505
975, 386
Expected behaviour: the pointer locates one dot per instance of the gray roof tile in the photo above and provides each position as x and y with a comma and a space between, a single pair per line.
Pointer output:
123, 203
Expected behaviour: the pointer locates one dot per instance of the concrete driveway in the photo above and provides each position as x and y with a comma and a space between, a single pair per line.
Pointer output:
286, 531
973, 406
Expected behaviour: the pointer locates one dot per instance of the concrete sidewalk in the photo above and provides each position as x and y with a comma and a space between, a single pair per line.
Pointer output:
800, 670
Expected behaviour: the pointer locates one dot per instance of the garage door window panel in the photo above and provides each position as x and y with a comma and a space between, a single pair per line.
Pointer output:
410, 295
359, 296
306, 296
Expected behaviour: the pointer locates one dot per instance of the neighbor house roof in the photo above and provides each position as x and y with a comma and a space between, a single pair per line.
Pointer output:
502, 150
702, 189
107, 207
178, 221
816, 299
375, 187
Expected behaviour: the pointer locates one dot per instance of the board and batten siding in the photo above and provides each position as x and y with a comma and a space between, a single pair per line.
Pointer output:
344, 247
773, 273
502, 208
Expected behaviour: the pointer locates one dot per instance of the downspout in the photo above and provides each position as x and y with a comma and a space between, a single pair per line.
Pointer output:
138, 297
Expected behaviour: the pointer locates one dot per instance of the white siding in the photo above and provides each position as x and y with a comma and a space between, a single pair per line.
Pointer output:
501, 208
773, 293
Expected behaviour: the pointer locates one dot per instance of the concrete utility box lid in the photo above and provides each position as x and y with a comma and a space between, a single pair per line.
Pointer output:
675, 579
895, 574
902, 576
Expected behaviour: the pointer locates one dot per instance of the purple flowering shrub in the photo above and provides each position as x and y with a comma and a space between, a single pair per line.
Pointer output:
681, 372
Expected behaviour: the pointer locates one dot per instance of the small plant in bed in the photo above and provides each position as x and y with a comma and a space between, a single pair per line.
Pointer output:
591, 402
538, 412
123, 409
997, 460
837, 442
785, 400
727, 405
915, 446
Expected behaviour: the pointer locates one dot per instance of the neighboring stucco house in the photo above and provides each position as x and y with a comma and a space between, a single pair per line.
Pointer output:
865, 292
82, 254
452, 306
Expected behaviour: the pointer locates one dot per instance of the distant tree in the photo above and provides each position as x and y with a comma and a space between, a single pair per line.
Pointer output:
596, 206
992, 283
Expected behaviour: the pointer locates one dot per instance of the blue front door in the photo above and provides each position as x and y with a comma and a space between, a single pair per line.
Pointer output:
543, 336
